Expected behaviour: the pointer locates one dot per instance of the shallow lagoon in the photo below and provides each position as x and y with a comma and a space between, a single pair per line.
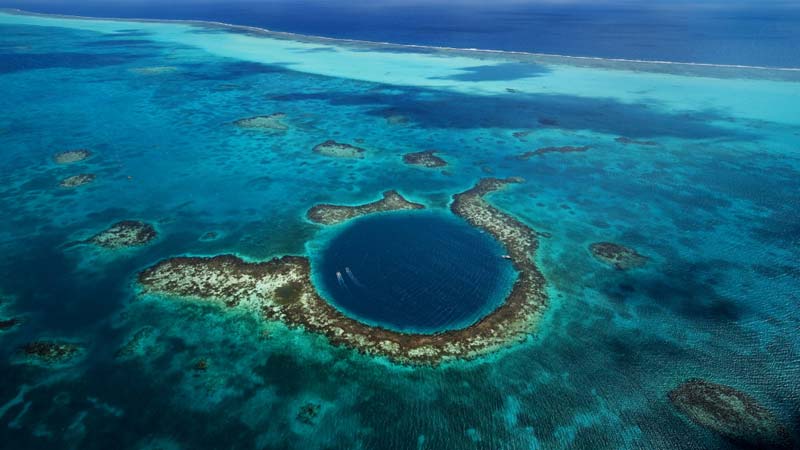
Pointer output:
705, 186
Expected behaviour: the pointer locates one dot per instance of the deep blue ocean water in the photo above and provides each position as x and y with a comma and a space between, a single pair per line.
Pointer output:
704, 184
746, 32
415, 272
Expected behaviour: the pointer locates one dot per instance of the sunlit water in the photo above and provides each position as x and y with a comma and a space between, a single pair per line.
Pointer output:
708, 192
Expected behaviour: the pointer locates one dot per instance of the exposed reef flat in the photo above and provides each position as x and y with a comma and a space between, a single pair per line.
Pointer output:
267, 122
619, 256
128, 233
546, 150
281, 289
77, 180
425, 158
731, 413
338, 150
328, 214
71, 156
51, 352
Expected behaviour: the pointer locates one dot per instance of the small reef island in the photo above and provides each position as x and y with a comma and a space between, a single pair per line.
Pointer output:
281, 289
731, 413
77, 180
127, 233
338, 150
272, 122
425, 158
328, 214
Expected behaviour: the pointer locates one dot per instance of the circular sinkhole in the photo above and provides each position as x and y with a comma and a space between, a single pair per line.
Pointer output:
414, 272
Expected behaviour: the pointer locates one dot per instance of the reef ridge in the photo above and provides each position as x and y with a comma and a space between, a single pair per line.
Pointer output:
281, 289
328, 214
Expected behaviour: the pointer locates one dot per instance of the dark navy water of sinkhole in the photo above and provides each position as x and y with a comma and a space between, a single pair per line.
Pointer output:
418, 272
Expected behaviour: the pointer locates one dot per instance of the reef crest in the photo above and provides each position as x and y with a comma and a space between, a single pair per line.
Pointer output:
281, 289
328, 214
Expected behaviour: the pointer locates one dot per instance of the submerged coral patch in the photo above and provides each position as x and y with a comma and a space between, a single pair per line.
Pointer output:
731, 413
128, 233
267, 122
308, 413
617, 255
71, 156
137, 344
51, 352
255, 286
7, 324
338, 150
546, 150
154, 70
77, 180
328, 214
425, 158
627, 140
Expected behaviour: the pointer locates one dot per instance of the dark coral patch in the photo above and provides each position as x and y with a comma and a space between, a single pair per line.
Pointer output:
546, 150
425, 158
209, 236
201, 365
8, 324
731, 413
128, 233
308, 413
328, 214
619, 256
339, 150
51, 352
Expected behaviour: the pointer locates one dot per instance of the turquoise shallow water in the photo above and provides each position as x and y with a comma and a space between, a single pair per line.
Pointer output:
707, 191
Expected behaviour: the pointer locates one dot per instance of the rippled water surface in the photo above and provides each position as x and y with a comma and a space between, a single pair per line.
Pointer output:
696, 168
